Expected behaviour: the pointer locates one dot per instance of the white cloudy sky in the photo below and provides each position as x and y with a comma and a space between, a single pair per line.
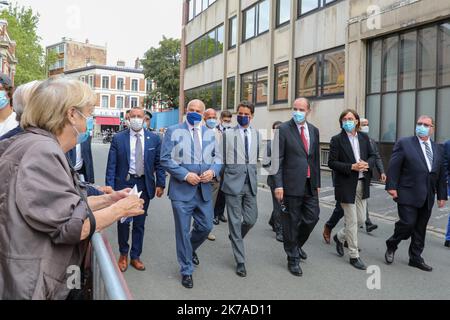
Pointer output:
128, 27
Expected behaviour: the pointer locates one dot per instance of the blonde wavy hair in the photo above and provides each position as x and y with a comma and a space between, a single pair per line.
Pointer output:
50, 102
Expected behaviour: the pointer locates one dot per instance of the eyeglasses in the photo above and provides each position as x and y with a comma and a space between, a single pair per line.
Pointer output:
426, 125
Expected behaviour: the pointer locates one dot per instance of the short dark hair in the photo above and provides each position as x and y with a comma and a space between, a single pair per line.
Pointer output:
276, 124
355, 113
226, 114
246, 104
148, 114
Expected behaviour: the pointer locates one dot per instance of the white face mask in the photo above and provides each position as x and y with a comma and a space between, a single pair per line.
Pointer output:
365, 129
136, 124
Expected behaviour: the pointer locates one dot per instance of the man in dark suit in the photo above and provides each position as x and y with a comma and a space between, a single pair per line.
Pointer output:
447, 166
81, 159
351, 159
296, 152
134, 159
416, 174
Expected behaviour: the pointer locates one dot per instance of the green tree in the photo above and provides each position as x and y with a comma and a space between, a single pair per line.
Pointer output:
33, 62
162, 65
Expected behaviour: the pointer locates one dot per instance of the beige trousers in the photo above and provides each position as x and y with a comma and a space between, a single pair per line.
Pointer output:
354, 217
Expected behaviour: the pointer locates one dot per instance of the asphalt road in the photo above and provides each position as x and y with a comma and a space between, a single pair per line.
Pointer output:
326, 276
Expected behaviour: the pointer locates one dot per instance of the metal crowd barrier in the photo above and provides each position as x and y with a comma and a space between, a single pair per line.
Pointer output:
108, 281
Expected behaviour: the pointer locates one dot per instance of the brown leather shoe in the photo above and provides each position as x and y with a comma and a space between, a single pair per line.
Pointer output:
138, 265
123, 263
327, 234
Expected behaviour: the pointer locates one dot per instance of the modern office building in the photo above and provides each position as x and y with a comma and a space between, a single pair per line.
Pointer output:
389, 59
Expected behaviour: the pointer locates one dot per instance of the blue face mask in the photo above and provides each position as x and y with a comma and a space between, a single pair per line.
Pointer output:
211, 123
145, 125
243, 120
349, 126
84, 136
422, 131
4, 101
299, 117
194, 118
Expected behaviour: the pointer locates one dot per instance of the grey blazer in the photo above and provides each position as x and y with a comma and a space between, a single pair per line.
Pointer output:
41, 218
235, 168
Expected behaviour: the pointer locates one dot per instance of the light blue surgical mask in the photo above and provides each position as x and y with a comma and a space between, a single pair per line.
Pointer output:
299, 116
349, 126
84, 136
211, 123
4, 100
145, 126
422, 131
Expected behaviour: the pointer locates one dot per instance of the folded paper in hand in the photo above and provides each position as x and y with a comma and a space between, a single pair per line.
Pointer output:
133, 192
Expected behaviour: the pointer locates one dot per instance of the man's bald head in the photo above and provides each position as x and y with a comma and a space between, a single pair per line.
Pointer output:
196, 106
210, 114
302, 103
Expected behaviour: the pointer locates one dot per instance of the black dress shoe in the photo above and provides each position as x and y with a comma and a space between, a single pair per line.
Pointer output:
339, 246
195, 259
302, 254
389, 256
187, 282
216, 221
420, 265
447, 244
294, 269
240, 270
279, 237
358, 264
223, 219
371, 227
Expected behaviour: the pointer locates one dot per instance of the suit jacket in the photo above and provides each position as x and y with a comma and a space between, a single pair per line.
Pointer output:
11, 133
118, 166
177, 158
341, 159
86, 154
408, 174
293, 160
235, 167
379, 161
447, 161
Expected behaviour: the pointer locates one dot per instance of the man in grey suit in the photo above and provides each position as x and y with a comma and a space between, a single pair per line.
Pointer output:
241, 148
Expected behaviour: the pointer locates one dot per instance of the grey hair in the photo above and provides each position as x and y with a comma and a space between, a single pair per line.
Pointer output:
22, 96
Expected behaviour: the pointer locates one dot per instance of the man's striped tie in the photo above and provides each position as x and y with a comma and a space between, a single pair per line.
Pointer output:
429, 153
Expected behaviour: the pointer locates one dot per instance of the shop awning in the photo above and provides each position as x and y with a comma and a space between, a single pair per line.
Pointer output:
106, 121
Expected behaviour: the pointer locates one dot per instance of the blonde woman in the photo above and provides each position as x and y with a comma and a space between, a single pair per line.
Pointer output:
43, 218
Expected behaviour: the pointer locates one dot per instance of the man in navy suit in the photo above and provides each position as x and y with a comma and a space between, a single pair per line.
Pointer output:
81, 159
188, 155
447, 167
134, 159
416, 174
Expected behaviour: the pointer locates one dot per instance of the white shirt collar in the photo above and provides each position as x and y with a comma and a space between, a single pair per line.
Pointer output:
134, 133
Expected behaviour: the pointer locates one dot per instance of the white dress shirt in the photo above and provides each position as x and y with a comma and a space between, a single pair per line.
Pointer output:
306, 133
354, 141
9, 124
191, 131
133, 140
249, 134
429, 164
79, 159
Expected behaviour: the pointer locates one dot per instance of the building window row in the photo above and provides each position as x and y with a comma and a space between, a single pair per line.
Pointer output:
205, 47
195, 7
307, 6
121, 102
408, 76
210, 94
256, 20
321, 75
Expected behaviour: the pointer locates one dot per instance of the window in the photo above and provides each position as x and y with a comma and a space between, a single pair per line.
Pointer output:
231, 90
83, 78
149, 86
210, 94
198, 6
283, 12
281, 83
134, 102
120, 102
254, 87
105, 101
120, 84
191, 10
91, 81
407, 78
233, 33
105, 82
256, 20
307, 6
205, 47
134, 85
321, 75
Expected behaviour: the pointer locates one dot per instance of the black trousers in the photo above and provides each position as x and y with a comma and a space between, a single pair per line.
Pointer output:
275, 219
299, 221
219, 209
413, 224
